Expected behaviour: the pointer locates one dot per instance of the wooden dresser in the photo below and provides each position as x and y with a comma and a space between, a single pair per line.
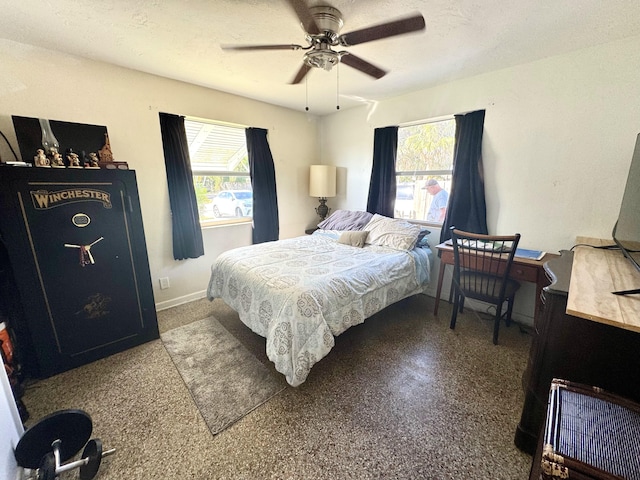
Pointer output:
585, 334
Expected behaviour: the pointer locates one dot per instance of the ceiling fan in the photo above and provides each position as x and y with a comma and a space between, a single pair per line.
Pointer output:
322, 24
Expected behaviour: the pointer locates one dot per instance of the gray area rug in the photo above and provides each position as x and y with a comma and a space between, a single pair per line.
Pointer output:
225, 380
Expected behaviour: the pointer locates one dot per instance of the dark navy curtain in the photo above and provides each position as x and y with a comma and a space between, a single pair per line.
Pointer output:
467, 209
185, 222
263, 181
382, 187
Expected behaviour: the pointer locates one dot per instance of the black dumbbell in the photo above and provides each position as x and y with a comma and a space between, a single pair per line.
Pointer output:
89, 464
55, 439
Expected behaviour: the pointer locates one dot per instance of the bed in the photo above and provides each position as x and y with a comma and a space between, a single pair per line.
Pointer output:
300, 293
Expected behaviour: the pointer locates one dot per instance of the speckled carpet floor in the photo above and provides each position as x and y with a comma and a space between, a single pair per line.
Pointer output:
399, 397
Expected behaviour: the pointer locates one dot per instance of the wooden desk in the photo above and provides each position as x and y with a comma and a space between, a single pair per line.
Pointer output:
595, 274
522, 270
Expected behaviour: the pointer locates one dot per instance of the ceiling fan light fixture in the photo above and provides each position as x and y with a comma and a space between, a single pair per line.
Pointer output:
325, 59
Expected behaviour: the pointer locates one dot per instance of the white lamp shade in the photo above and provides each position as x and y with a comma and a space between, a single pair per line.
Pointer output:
322, 181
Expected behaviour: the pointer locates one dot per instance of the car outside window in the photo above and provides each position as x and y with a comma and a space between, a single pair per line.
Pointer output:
237, 203
220, 168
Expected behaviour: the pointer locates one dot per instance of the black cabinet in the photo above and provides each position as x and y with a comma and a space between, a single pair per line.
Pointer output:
78, 260
573, 349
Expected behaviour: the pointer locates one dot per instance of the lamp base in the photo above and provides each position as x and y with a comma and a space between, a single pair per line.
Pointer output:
322, 210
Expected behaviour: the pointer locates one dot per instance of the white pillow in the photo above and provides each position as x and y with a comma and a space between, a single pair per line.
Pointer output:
392, 232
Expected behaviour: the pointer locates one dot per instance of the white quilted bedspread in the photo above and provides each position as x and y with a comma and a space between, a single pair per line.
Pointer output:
301, 292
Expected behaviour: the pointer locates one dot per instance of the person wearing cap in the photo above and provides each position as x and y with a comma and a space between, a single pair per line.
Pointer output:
438, 207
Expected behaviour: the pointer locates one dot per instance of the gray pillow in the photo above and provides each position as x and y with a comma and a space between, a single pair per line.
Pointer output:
346, 220
356, 238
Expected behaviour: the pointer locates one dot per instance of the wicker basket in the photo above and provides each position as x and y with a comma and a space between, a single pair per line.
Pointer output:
590, 434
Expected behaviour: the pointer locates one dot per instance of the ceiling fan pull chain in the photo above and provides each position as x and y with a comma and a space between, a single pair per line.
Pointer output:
306, 93
338, 86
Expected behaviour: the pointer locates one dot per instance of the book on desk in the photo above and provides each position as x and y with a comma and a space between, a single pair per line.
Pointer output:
530, 254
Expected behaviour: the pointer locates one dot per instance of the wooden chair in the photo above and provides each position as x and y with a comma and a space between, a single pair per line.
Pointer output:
481, 271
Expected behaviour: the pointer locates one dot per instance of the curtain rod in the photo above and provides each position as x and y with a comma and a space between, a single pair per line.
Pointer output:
429, 120
216, 122
437, 119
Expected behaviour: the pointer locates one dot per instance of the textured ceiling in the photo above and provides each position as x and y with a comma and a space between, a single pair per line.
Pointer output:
181, 39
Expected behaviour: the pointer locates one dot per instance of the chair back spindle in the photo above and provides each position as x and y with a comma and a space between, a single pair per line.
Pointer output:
482, 264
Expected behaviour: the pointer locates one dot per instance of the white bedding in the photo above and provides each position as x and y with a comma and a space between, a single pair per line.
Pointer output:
301, 292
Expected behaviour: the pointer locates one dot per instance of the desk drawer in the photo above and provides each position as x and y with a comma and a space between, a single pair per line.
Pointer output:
524, 273
520, 270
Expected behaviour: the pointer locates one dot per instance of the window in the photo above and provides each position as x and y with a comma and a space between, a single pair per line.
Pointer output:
424, 167
220, 167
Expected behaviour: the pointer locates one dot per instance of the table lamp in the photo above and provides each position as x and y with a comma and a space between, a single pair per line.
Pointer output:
322, 184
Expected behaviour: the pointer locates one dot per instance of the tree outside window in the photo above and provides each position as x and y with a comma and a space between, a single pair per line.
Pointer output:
424, 168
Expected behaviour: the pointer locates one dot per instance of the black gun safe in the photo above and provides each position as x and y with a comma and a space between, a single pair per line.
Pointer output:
78, 264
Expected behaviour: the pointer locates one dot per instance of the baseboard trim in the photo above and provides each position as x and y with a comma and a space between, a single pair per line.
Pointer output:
174, 302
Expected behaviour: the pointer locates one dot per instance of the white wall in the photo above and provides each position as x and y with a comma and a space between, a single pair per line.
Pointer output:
41, 83
558, 140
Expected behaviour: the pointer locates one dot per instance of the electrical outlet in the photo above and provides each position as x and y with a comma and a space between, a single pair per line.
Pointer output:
164, 283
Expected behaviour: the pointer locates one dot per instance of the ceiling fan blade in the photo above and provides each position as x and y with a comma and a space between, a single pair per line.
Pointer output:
302, 11
397, 27
263, 47
304, 69
362, 65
